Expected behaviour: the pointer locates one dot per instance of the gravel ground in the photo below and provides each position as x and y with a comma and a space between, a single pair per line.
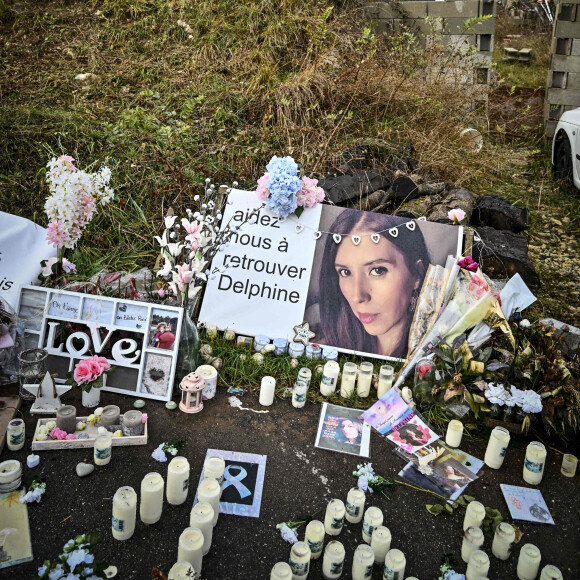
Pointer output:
300, 479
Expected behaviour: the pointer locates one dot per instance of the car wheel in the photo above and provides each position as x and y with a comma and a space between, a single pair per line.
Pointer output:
563, 160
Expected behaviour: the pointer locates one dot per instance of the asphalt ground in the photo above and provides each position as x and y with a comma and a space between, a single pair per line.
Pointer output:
300, 479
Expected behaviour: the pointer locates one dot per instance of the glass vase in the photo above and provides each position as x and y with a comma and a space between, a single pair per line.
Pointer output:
32, 369
424, 382
188, 353
91, 398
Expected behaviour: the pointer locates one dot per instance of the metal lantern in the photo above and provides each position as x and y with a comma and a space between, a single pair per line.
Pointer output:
191, 388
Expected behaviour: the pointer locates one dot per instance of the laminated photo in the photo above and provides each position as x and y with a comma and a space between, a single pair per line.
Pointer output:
342, 429
411, 434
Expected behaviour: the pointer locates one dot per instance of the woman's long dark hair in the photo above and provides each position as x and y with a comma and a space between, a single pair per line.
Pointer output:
340, 327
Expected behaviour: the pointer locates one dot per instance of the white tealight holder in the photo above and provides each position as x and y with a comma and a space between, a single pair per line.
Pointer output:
47, 396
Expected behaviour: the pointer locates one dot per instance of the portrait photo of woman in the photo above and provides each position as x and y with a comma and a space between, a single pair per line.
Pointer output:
351, 431
368, 287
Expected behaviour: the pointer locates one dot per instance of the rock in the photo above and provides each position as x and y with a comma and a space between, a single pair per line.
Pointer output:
414, 209
368, 202
84, 469
503, 254
139, 404
570, 335
344, 188
171, 405
496, 212
456, 198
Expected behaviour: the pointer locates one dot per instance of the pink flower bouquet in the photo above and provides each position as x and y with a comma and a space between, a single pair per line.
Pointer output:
88, 373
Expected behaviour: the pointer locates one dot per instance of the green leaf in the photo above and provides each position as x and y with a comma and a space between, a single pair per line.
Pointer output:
434, 509
468, 498
461, 501
448, 509
472, 404
298, 211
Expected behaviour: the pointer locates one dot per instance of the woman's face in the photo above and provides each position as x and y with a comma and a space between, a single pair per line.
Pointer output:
349, 429
376, 283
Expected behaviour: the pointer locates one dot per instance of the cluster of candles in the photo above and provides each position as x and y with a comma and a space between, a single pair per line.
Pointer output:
352, 375
195, 540
376, 548
504, 537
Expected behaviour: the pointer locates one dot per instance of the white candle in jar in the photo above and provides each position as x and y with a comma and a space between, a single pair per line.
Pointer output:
386, 373
381, 543
305, 374
372, 519
181, 571
454, 433
528, 562
124, 513
314, 537
395, 563
534, 463
503, 540
201, 517
334, 518
472, 540
355, 503
103, 448
151, 498
550, 572
363, 562
329, 378
15, 434
177, 481
333, 561
267, 389
214, 467
191, 548
569, 465
348, 381
210, 491
281, 571
478, 565
299, 394
365, 378
299, 560
496, 447
474, 515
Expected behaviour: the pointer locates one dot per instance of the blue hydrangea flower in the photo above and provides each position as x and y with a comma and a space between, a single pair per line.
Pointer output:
77, 557
283, 184
452, 575
363, 483
41, 570
57, 573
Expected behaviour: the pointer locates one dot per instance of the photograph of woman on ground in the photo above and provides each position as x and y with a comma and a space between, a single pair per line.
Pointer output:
342, 429
364, 289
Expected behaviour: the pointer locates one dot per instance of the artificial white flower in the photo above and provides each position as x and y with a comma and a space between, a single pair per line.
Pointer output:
496, 394
531, 402
169, 221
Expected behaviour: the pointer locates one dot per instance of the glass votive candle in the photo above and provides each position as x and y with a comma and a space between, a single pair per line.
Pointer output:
300, 560
550, 572
395, 563
314, 537
102, 449
454, 433
214, 467
365, 379
296, 349
329, 353
201, 517
355, 503
478, 565
329, 378
281, 571
181, 571
386, 374
333, 561
280, 346
534, 463
503, 540
334, 518
15, 434
474, 515
372, 519
569, 465
363, 562
497, 447
210, 491
177, 481
124, 513
348, 381
528, 562
299, 394
260, 341
190, 548
305, 374
313, 351
472, 540
381, 543
151, 504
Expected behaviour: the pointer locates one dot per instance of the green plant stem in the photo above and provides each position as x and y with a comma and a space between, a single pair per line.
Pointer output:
421, 489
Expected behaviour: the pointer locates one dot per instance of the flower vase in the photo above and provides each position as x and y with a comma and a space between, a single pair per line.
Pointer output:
424, 382
91, 398
188, 353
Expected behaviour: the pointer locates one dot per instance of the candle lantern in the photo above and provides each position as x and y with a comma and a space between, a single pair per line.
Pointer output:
32, 367
191, 393
333, 560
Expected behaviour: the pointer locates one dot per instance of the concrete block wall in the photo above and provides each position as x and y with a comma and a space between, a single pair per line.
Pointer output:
395, 16
563, 83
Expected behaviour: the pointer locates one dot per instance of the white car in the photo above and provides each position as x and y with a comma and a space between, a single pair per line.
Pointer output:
566, 147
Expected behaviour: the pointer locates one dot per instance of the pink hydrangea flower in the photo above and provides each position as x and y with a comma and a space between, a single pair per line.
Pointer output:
310, 195
57, 234
262, 191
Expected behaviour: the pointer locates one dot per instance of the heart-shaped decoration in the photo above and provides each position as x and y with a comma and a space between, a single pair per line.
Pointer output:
376, 238
84, 469
299, 228
422, 219
317, 235
355, 240
156, 374
394, 232
410, 226
337, 238
32, 460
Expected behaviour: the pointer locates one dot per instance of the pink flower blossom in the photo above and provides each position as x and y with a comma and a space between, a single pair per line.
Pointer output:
161, 293
83, 373
262, 190
310, 195
423, 369
71, 436
57, 234
57, 433
193, 230
185, 276
468, 263
456, 215
67, 160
